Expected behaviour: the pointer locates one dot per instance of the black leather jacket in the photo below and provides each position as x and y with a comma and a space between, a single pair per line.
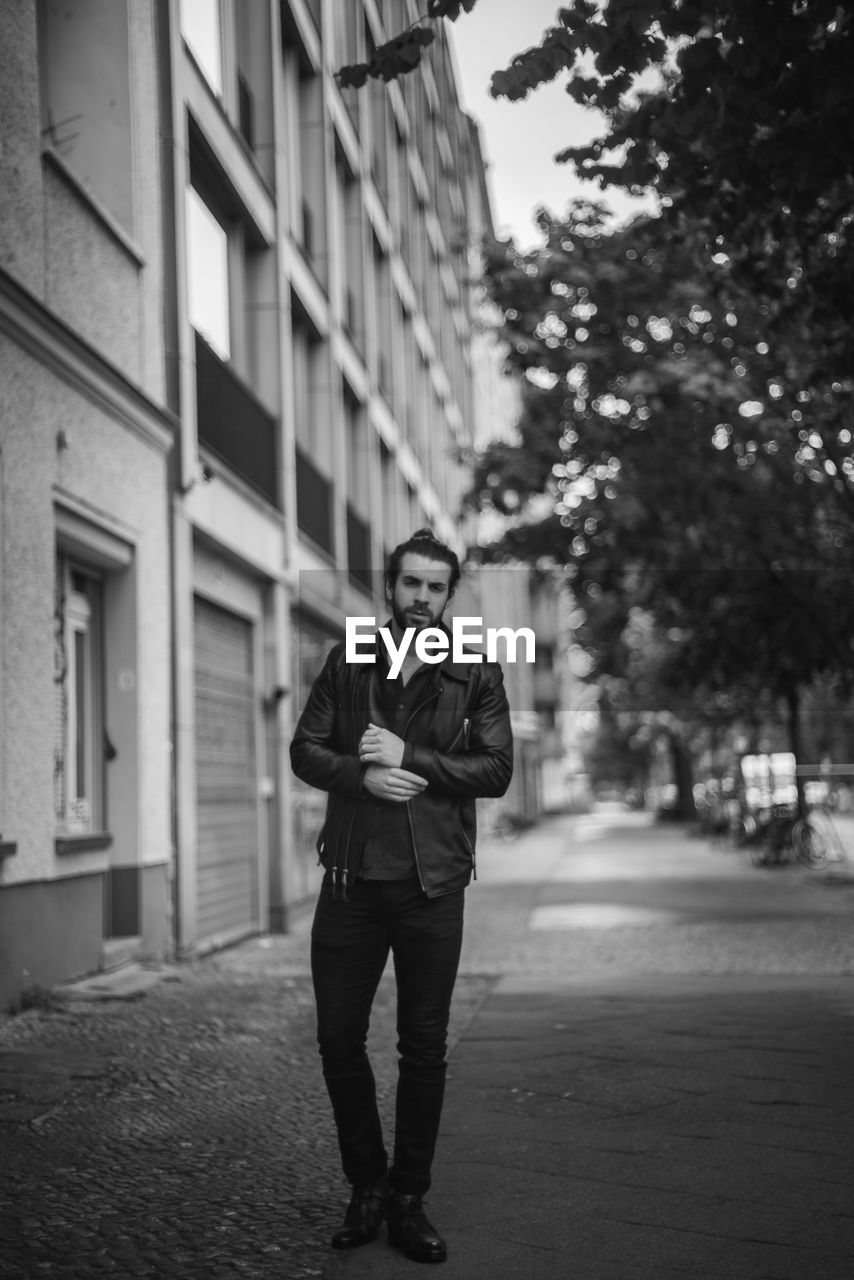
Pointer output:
458, 738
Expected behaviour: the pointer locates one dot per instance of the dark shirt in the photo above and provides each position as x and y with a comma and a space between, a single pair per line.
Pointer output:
387, 853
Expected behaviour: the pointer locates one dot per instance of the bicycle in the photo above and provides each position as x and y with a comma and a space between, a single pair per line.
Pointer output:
508, 826
500, 823
811, 838
772, 841
815, 839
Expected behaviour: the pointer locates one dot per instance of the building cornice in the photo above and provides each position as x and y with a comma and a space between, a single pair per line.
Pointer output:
53, 344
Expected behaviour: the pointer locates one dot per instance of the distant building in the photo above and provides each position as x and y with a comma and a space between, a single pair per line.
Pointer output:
514, 596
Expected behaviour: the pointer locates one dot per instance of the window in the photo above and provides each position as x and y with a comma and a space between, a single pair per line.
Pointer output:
207, 268
405, 382
314, 503
311, 173
229, 42
347, 48
358, 491
349, 212
383, 294
316, 458
404, 213
79, 743
253, 110
388, 513
378, 106
311, 398
237, 391
201, 27
358, 456
85, 97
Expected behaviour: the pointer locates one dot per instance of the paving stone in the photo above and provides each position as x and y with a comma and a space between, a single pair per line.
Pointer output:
190, 1135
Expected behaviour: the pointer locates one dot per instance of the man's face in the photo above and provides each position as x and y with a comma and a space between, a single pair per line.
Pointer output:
420, 592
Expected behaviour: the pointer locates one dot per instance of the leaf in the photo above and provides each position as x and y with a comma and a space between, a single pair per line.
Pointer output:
409, 55
422, 35
353, 76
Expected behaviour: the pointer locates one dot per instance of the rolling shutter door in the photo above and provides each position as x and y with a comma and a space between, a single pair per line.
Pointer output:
226, 776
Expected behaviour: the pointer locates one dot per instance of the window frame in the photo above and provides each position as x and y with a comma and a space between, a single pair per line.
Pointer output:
114, 204
81, 735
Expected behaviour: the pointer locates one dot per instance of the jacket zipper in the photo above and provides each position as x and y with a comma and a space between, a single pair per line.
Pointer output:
472, 855
415, 848
410, 718
346, 867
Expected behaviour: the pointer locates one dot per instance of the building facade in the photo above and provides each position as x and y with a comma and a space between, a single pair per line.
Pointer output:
86, 442
324, 339
237, 316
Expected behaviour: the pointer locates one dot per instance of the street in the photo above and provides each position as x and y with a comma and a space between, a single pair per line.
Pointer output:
652, 1046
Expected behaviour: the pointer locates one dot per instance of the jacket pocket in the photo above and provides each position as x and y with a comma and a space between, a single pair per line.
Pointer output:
460, 740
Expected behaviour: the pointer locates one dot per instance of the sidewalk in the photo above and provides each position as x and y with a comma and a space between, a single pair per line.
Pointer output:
653, 1101
627, 1129
660, 1115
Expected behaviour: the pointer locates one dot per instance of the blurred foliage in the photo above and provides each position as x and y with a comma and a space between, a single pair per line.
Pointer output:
691, 469
739, 117
404, 51
683, 459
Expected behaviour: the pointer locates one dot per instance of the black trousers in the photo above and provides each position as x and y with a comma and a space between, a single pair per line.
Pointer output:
350, 943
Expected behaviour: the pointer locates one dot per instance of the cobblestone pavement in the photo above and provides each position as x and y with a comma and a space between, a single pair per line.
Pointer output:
187, 1133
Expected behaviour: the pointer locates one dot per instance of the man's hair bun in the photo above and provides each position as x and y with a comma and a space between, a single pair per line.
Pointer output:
424, 542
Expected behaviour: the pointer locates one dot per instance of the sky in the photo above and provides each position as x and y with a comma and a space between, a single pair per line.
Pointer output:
520, 139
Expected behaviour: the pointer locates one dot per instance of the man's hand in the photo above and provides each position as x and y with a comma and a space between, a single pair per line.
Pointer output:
381, 746
396, 785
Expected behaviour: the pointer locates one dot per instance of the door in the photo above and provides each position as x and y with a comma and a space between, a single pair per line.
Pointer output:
227, 856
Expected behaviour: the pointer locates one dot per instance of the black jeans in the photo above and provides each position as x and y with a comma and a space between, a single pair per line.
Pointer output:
350, 943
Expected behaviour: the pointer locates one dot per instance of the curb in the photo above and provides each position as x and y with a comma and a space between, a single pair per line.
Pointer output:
129, 982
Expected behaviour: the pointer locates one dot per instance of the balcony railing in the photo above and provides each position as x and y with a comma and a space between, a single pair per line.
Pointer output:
234, 425
314, 502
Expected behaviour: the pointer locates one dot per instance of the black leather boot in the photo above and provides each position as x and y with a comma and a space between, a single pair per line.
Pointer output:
409, 1230
365, 1212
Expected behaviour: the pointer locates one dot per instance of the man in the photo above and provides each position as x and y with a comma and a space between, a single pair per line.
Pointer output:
402, 760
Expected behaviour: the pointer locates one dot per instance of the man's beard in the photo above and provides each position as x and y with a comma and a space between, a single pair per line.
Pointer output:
407, 618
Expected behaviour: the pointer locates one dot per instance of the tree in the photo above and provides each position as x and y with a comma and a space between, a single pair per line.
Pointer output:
662, 451
740, 117
612, 755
